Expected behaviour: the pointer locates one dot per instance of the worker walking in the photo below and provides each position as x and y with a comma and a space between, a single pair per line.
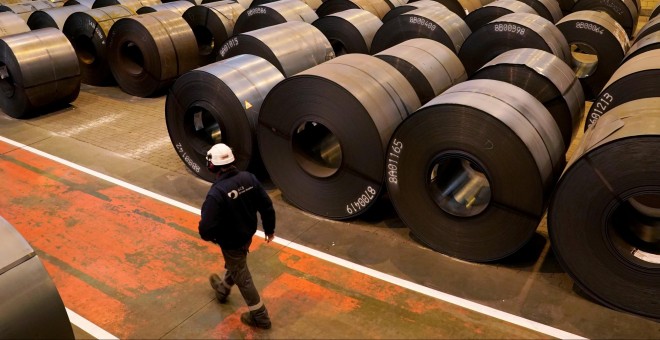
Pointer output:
229, 218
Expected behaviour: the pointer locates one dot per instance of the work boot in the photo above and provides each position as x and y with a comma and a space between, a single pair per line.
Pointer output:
248, 319
221, 292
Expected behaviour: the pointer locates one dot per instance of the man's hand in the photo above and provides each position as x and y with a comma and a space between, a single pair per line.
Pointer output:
269, 238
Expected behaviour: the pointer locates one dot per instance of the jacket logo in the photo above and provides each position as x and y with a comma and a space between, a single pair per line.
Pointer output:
233, 194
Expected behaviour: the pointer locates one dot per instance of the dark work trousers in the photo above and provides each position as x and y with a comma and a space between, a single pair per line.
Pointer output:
238, 273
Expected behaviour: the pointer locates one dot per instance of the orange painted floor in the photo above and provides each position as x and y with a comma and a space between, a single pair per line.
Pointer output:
137, 268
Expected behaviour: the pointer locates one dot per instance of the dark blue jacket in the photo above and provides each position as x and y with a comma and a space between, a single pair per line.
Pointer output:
229, 213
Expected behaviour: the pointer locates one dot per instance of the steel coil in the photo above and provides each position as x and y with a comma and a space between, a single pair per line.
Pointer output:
87, 31
377, 7
212, 25
349, 31
148, 52
219, 103
545, 77
494, 10
435, 23
610, 245
323, 133
274, 13
643, 45
636, 79
655, 12
133, 5
623, 11
313, 4
31, 306
512, 31
548, 9
598, 44
461, 7
178, 7
292, 47
38, 71
470, 171
243, 3
87, 3
22, 10
396, 11
53, 17
650, 27
430, 67
11, 23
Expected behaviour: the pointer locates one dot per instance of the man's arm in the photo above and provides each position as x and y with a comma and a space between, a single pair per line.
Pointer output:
210, 219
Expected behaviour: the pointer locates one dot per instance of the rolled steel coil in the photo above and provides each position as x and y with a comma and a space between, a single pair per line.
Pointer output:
11, 23
396, 11
178, 7
470, 171
244, 3
53, 17
274, 13
609, 246
598, 44
31, 306
87, 3
494, 10
435, 23
323, 132
547, 78
42, 4
623, 11
313, 4
212, 24
636, 79
377, 7
148, 52
87, 31
651, 26
512, 31
655, 12
22, 10
38, 71
219, 103
548, 9
133, 5
349, 31
461, 7
643, 45
430, 67
292, 47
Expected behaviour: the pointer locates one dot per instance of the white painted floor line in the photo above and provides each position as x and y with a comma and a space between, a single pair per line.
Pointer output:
88, 326
514, 319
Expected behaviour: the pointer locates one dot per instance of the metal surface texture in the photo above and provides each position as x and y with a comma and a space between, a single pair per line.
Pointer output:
435, 23
636, 79
547, 78
349, 31
313, 4
292, 47
39, 71
87, 3
653, 25
512, 31
272, 14
31, 306
212, 24
461, 7
548, 9
483, 15
470, 171
12, 23
219, 103
323, 133
87, 31
22, 10
53, 17
133, 5
625, 12
148, 52
430, 67
655, 12
396, 11
178, 7
598, 44
605, 245
643, 45
377, 7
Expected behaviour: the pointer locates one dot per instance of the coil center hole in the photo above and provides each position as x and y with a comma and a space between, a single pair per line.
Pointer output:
459, 186
6, 84
84, 49
316, 149
202, 129
637, 228
585, 59
338, 46
205, 41
132, 58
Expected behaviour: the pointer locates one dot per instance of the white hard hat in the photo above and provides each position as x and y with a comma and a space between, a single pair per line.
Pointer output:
220, 154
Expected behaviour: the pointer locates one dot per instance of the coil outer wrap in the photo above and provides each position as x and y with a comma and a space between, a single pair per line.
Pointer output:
624, 12
359, 100
53, 17
602, 244
652, 26
378, 8
11, 23
482, 16
178, 7
461, 7
349, 31
274, 13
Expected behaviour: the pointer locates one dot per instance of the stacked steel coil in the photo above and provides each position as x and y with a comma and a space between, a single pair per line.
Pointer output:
53, 17
11, 23
549, 9
483, 15
178, 7
272, 14
133, 5
378, 8
349, 31
461, 7
625, 12
396, 11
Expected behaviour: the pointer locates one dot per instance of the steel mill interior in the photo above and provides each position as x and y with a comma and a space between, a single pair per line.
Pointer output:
439, 169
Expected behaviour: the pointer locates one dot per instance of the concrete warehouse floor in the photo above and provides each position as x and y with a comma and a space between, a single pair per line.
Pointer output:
136, 267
